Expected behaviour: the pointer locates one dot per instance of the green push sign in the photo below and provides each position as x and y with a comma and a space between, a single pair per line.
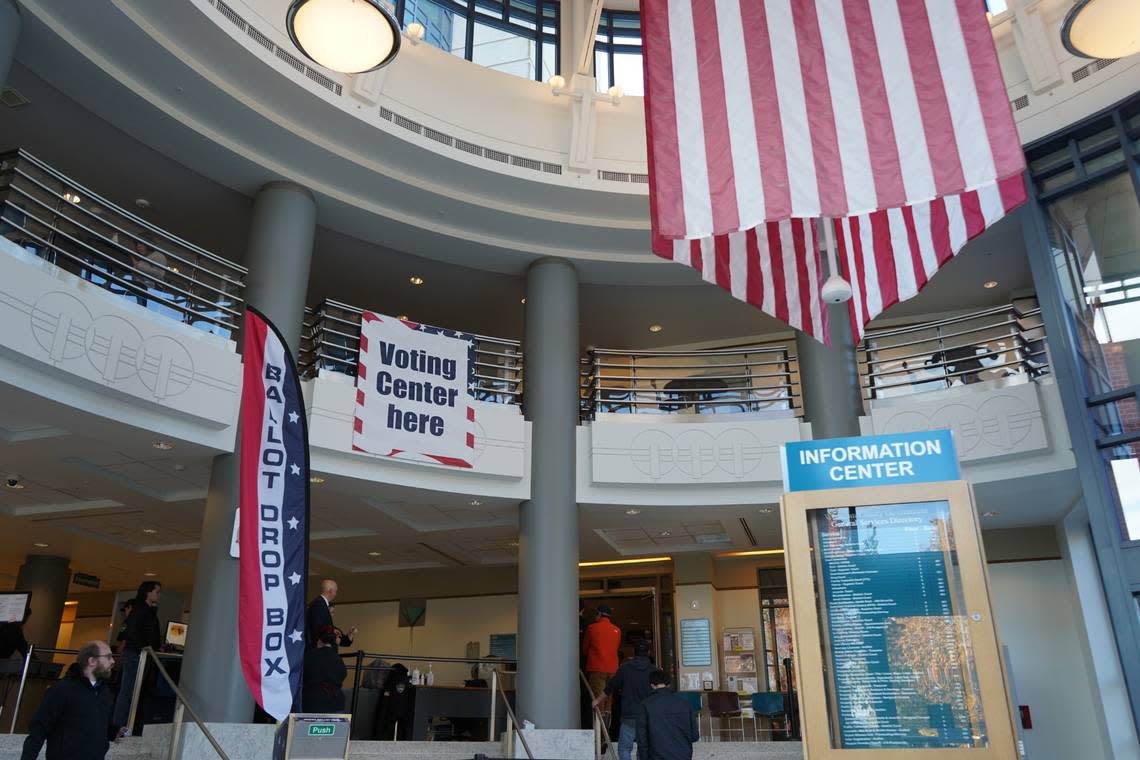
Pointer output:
322, 729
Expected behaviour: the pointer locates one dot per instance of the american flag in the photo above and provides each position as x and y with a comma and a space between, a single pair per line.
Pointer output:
763, 115
273, 524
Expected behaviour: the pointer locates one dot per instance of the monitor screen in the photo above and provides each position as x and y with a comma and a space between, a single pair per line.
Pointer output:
176, 634
12, 606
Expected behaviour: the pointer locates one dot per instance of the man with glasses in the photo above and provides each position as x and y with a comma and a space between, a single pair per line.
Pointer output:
75, 716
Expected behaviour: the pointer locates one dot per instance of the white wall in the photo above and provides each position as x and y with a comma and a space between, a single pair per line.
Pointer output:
1036, 621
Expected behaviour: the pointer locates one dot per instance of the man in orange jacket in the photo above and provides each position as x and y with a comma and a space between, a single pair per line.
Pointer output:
600, 645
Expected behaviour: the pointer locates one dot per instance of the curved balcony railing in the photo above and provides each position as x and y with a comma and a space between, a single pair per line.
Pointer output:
757, 378
330, 341
56, 218
1000, 345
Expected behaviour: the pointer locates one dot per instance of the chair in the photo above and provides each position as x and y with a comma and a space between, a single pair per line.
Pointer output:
770, 705
694, 700
725, 704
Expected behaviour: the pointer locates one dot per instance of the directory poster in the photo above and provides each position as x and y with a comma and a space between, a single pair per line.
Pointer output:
899, 659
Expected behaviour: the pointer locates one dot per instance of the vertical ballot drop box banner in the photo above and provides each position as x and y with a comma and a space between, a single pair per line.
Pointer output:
896, 647
413, 392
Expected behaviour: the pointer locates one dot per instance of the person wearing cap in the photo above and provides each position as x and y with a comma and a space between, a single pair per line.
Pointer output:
600, 645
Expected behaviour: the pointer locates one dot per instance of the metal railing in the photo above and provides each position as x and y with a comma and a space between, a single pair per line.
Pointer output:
365, 665
57, 219
182, 706
330, 341
1004, 344
757, 378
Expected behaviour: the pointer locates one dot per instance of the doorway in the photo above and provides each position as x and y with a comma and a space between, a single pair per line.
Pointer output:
642, 608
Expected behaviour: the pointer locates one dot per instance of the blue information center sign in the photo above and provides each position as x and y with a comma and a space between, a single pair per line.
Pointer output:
877, 460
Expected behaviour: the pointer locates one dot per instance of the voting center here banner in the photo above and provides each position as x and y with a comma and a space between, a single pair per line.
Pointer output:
414, 388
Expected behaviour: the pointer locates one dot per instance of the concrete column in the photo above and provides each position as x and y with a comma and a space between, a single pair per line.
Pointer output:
278, 255
829, 378
548, 523
47, 578
9, 34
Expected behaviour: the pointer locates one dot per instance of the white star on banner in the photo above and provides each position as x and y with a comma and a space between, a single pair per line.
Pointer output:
293, 416
295, 578
294, 469
293, 523
295, 636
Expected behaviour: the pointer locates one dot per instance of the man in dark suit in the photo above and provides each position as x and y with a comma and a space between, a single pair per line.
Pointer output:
319, 615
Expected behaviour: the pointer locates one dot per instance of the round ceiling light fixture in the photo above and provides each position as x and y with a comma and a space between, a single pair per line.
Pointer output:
347, 36
1105, 29
990, 284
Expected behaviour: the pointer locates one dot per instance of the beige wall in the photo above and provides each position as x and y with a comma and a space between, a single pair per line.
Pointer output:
448, 625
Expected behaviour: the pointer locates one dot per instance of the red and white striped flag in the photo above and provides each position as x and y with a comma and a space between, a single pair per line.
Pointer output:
761, 111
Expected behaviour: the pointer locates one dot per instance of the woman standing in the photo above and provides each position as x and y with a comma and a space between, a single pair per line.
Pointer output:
140, 631
324, 674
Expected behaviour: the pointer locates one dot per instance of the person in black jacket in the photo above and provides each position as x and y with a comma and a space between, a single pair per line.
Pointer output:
12, 637
141, 631
322, 690
631, 682
75, 715
666, 724
396, 708
319, 615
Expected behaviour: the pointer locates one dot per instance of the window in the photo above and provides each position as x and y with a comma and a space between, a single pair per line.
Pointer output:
617, 53
519, 37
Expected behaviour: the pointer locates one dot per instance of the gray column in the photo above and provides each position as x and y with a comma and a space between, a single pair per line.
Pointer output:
9, 34
47, 578
278, 254
829, 378
548, 523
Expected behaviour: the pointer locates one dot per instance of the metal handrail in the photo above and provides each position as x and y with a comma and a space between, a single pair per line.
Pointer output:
183, 704
512, 721
599, 721
55, 217
331, 340
1008, 334
756, 378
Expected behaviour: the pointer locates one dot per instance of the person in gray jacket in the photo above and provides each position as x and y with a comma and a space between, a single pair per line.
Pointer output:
666, 724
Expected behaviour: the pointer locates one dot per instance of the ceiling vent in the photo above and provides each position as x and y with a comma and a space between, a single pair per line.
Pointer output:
12, 98
1020, 103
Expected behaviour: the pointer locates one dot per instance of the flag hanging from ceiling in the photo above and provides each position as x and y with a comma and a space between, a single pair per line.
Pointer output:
273, 524
763, 111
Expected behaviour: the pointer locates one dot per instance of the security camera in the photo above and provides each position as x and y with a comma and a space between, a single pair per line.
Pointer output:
836, 290
13, 481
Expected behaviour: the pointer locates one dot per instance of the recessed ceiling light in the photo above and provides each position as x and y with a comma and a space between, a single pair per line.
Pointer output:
632, 511
403, 317
72, 198
765, 510
142, 203
163, 445
989, 284
149, 531
40, 545
523, 301
664, 534
475, 503
14, 484
989, 514
316, 479
656, 328
373, 554
150, 573
416, 280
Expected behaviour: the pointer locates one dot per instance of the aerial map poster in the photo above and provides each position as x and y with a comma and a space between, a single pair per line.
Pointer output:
899, 661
